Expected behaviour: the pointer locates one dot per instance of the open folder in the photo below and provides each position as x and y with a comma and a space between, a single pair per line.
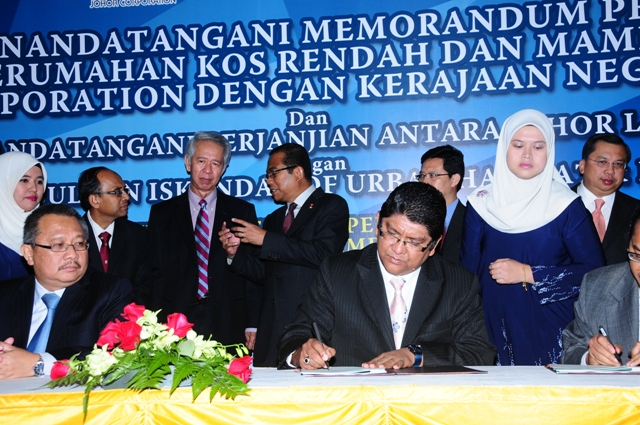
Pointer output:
587, 369
361, 371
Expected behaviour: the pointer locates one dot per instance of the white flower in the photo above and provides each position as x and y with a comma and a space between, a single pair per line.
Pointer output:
100, 360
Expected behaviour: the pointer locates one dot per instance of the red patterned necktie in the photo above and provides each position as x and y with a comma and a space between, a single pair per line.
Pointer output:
104, 250
202, 249
598, 219
398, 311
289, 217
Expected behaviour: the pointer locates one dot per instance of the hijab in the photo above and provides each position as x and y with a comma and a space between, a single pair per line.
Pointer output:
514, 205
13, 165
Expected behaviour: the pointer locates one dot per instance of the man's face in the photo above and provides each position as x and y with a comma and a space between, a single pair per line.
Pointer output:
634, 246
445, 184
206, 167
284, 185
397, 257
57, 270
109, 205
606, 180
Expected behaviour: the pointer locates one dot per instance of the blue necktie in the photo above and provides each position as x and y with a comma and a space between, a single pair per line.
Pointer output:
39, 341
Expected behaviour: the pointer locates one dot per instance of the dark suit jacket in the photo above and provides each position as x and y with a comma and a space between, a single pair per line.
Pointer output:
453, 239
233, 303
287, 264
349, 303
616, 238
128, 255
608, 297
84, 310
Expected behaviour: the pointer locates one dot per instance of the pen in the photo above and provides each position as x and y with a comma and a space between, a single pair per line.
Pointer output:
604, 334
319, 338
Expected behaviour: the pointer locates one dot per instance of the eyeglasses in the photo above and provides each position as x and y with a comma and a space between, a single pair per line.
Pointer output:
118, 192
393, 239
633, 256
271, 174
62, 247
603, 163
420, 177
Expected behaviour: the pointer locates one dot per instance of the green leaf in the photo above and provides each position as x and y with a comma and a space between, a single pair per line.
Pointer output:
187, 347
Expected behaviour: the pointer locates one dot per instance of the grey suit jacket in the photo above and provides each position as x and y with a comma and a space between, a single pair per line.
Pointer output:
349, 303
608, 297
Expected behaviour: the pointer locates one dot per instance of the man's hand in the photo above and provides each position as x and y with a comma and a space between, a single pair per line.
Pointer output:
603, 353
250, 340
635, 355
16, 362
317, 353
508, 271
247, 232
396, 359
228, 240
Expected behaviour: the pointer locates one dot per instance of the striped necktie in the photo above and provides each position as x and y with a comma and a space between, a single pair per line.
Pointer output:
202, 249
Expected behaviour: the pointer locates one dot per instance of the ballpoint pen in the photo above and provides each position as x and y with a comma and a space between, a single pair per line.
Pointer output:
316, 331
604, 334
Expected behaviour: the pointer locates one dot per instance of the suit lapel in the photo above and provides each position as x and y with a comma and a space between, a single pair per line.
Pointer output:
428, 288
21, 312
94, 252
616, 222
371, 285
73, 296
454, 231
306, 211
182, 217
118, 244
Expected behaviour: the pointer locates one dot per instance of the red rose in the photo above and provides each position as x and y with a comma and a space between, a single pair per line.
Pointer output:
109, 336
60, 369
129, 335
178, 322
133, 312
241, 368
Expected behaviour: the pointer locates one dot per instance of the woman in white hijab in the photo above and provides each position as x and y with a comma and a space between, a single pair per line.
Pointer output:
22, 182
530, 240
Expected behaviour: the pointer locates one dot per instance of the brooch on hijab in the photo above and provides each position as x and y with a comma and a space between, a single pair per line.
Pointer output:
482, 193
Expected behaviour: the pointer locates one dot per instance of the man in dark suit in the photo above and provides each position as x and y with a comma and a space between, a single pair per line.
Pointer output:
34, 332
608, 298
117, 246
293, 242
443, 168
604, 160
393, 304
187, 279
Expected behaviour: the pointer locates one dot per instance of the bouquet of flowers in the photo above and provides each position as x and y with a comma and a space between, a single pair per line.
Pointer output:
144, 351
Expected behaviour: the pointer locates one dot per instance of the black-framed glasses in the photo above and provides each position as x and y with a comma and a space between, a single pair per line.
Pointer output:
392, 239
62, 247
421, 177
633, 256
603, 163
271, 174
118, 192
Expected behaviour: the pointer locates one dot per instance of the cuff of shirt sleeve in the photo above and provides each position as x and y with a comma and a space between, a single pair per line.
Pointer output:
48, 360
251, 330
583, 360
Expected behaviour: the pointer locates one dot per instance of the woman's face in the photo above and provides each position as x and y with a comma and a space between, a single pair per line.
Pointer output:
527, 153
30, 189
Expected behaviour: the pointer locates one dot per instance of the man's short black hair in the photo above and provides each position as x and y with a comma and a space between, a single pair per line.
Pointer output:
590, 144
88, 184
452, 160
420, 203
635, 219
294, 156
32, 223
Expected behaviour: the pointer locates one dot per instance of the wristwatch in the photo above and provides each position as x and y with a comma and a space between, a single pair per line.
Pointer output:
417, 352
38, 369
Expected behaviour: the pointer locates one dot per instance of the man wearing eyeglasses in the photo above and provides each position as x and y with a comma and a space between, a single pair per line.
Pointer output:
61, 310
443, 168
310, 226
392, 304
604, 161
116, 245
608, 299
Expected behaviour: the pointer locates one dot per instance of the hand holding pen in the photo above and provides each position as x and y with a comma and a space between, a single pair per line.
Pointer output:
604, 333
316, 331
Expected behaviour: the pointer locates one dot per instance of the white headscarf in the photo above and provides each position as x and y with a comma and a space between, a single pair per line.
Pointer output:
514, 205
13, 165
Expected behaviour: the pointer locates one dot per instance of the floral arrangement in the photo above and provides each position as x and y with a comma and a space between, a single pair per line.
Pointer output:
144, 351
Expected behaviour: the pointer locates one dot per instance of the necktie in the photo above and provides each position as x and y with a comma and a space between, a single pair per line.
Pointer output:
202, 249
398, 311
598, 219
40, 339
289, 217
104, 250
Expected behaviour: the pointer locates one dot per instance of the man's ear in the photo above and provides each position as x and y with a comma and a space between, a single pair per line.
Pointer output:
27, 253
455, 179
94, 200
581, 165
187, 164
377, 222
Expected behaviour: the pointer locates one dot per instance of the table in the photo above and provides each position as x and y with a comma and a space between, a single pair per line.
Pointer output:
505, 395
